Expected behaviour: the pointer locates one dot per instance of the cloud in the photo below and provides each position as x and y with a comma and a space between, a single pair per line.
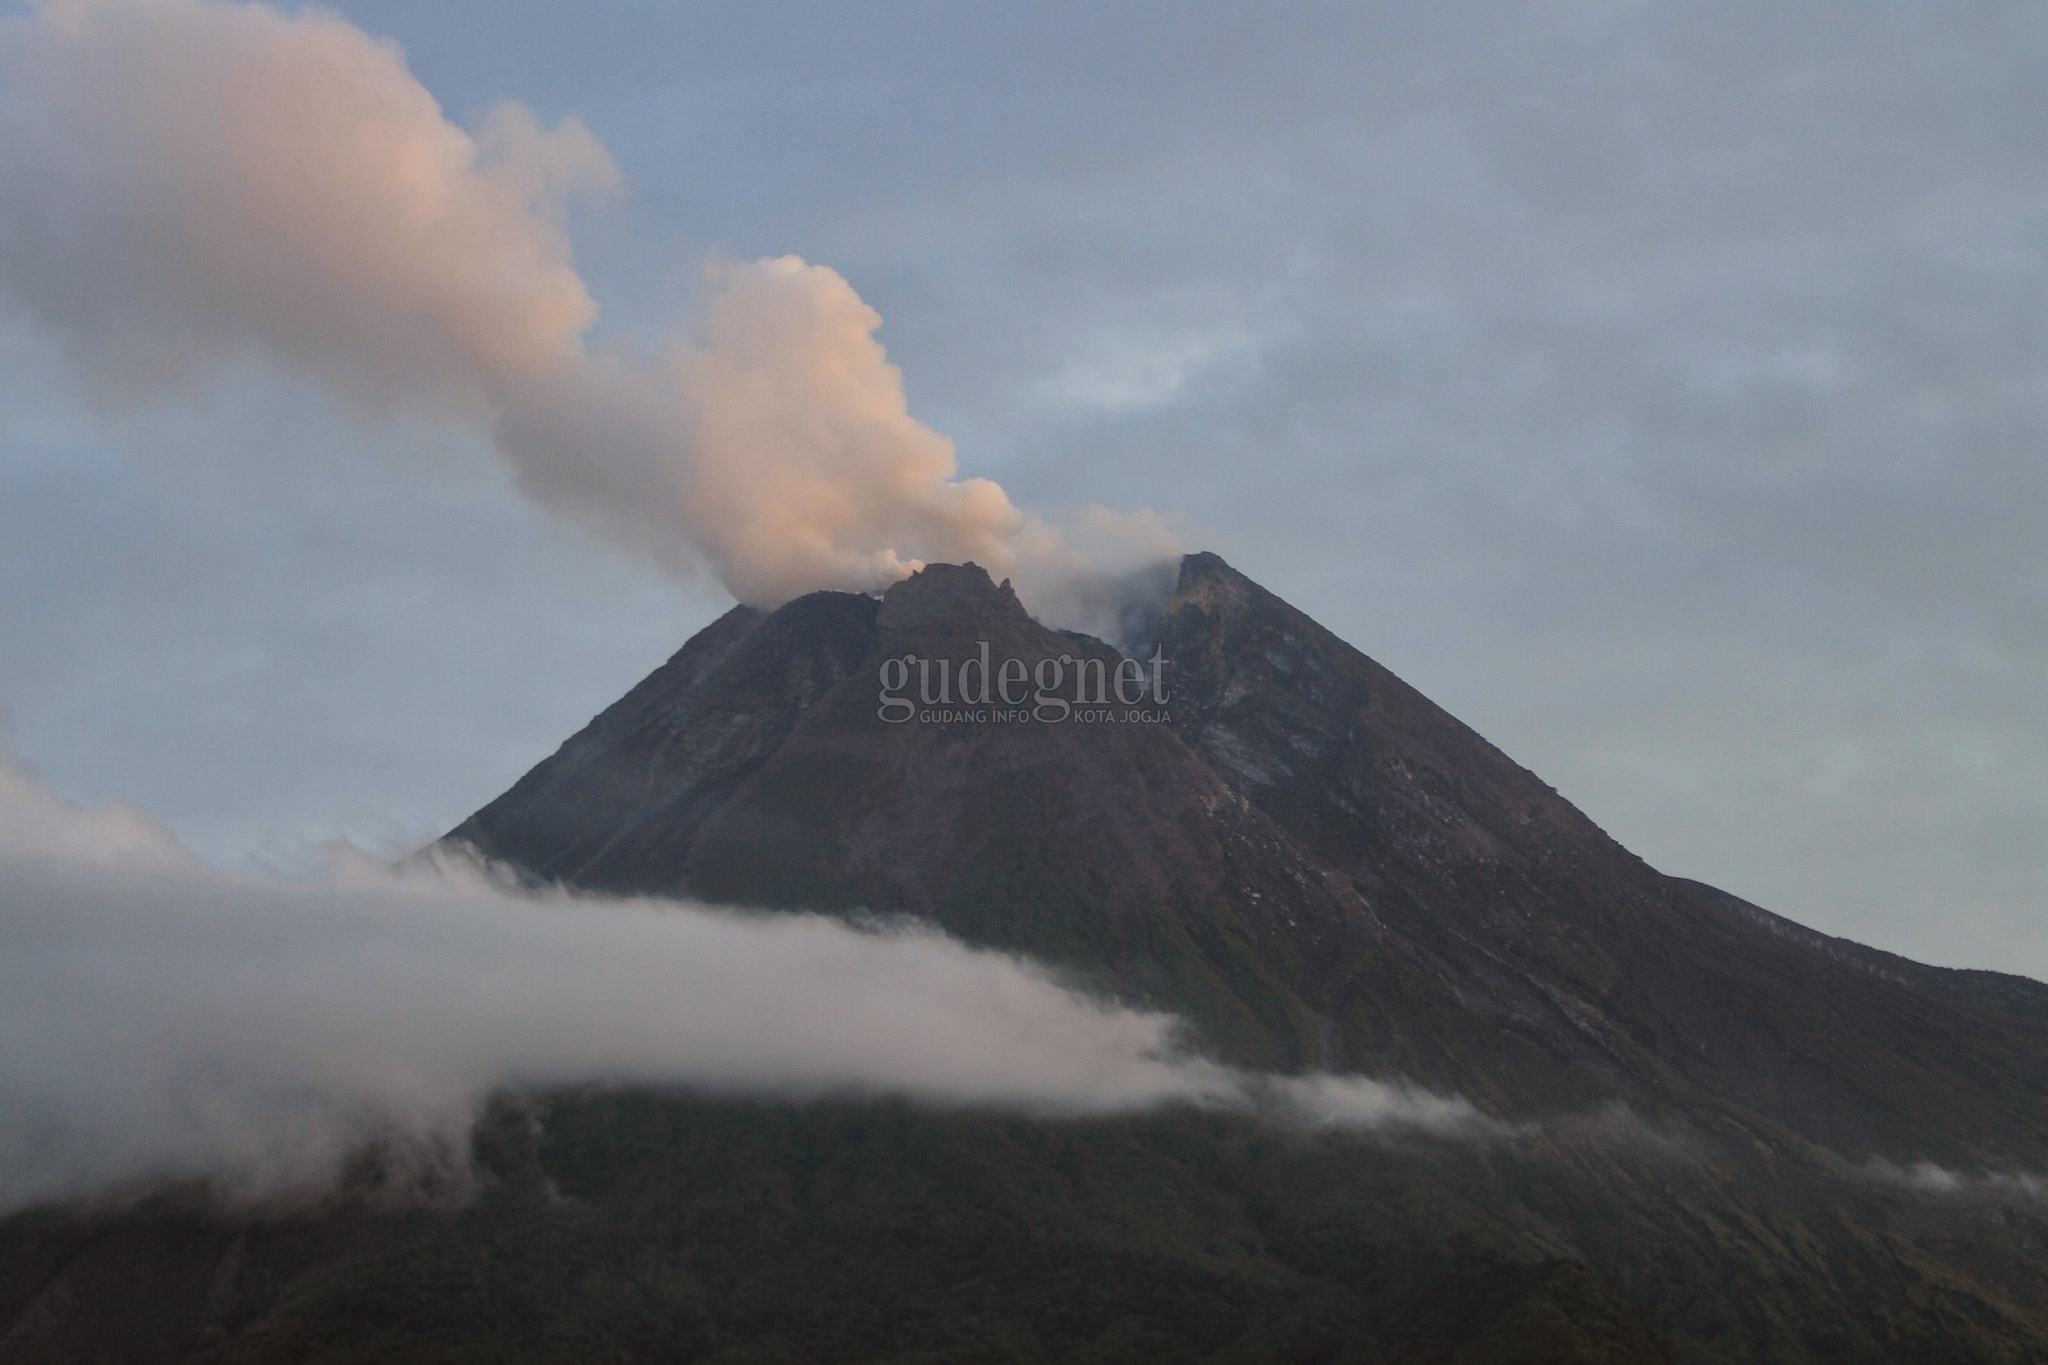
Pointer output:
1356, 1103
161, 1020
1926, 1177
186, 184
35, 823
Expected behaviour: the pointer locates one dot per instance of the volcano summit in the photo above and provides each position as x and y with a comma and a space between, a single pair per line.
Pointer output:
1307, 858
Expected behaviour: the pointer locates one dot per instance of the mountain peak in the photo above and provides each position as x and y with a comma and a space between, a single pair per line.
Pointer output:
1206, 566
1298, 851
946, 595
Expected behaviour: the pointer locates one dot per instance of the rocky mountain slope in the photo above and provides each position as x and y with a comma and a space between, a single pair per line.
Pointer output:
1299, 851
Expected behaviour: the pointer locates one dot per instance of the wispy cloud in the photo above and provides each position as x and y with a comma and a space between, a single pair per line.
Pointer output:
159, 1019
1929, 1178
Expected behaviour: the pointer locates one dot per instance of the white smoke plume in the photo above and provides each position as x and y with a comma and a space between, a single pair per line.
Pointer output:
160, 1020
187, 183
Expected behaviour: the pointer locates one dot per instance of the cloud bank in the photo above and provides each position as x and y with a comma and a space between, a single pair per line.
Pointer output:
160, 1020
187, 184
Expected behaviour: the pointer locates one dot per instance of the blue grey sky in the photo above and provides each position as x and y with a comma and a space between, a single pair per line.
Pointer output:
1661, 387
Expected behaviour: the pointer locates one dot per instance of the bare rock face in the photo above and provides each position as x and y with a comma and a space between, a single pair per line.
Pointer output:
1542, 922
1309, 859
616, 807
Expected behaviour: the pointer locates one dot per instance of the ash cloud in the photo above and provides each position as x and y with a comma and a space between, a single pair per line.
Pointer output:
160, 1020
187, 184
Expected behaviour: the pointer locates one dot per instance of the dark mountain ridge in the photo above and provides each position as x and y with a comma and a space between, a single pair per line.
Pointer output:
1312, 861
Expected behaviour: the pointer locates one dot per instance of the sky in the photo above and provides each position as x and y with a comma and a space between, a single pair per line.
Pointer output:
1659, 387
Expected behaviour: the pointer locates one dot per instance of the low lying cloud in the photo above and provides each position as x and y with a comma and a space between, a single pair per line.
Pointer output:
1928, 1178
161, 1020
1321, 1100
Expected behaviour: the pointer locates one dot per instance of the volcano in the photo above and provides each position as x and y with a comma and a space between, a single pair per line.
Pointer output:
1721, 1137
1287, 845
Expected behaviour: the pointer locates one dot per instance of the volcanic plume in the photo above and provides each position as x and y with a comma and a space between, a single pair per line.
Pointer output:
187, 184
